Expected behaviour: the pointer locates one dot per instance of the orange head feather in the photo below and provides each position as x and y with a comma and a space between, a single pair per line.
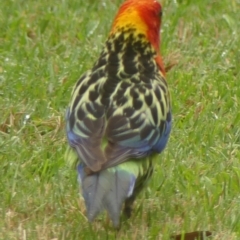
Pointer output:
145, 17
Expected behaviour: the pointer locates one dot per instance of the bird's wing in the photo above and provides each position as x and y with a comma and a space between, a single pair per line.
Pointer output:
86, 120
138, 120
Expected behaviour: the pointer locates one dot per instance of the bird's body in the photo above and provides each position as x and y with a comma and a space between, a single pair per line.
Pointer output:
119, 117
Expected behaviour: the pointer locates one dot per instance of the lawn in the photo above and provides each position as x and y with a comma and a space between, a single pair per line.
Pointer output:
44, 48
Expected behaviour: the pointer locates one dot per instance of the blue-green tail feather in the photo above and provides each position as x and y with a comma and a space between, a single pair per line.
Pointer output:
107, 189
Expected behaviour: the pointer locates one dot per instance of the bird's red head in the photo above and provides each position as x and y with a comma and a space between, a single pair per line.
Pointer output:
144, 16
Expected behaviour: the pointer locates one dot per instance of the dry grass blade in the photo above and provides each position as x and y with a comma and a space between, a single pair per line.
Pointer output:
198, 235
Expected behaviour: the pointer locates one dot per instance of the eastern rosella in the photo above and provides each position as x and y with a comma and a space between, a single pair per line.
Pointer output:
119, 118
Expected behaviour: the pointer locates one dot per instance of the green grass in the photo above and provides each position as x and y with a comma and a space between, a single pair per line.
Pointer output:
45, 46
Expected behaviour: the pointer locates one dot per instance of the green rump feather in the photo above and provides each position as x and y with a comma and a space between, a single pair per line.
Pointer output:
111, 188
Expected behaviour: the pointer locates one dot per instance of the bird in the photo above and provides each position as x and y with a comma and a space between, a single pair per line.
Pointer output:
119, 117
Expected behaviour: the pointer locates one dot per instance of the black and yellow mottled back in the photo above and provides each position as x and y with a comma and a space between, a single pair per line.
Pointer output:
121, 108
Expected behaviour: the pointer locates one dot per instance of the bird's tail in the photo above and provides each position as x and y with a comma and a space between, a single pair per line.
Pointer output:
107, 189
